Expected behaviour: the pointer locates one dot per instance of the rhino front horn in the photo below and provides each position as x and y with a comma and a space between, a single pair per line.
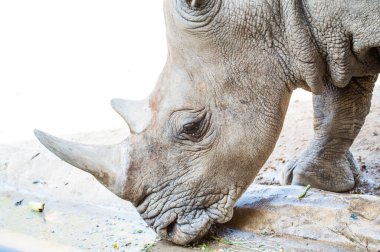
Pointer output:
136, 114
108, 164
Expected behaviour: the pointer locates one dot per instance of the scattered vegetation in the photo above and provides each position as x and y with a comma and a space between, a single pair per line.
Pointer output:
204, 247
235, 246
19, 203
148, 247
303, 195
37, 206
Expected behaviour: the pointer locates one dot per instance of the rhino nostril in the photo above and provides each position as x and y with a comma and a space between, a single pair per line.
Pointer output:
170, 228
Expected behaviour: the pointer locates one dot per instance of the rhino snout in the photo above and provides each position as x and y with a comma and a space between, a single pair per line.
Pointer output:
184, 219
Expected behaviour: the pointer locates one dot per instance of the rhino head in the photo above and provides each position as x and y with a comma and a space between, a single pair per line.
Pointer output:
200, 138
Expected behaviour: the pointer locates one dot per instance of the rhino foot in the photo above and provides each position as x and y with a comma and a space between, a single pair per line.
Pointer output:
336, 174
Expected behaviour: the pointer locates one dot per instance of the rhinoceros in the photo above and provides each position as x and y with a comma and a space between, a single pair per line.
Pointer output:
198, 141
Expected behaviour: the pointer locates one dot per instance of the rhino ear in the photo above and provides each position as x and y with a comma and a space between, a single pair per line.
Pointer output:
136, 114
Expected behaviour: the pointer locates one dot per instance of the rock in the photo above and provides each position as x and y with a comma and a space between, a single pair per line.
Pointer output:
353, 221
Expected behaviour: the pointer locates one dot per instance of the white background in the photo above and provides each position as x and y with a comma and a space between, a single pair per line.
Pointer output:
61, 62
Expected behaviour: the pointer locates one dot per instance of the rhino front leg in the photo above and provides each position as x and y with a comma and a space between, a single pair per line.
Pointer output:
339, 114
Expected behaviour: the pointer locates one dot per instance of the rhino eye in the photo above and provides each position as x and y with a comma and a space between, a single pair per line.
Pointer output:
195, 130
191, 128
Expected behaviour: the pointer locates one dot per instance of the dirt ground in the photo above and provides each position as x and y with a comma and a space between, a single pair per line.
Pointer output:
90, 218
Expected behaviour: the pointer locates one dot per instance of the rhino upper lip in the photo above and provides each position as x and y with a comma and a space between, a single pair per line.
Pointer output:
166, 230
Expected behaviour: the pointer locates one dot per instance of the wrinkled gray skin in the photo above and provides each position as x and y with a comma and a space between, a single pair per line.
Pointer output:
218, 108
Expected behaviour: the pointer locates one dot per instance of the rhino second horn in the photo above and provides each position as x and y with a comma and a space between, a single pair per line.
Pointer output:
136, 114
108, 164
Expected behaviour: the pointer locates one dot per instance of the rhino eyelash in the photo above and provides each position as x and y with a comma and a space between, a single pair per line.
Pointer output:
191, 3
194, 131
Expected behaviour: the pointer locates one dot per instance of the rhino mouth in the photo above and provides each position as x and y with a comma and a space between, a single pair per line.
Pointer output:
184, 233
188, 221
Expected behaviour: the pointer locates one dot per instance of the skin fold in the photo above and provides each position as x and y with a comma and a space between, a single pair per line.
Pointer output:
217, 110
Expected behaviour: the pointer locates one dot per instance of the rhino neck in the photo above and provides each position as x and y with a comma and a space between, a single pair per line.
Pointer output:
307, 61
332, 41
254, 110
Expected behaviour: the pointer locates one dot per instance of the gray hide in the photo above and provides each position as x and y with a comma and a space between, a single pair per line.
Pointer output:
215, 115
